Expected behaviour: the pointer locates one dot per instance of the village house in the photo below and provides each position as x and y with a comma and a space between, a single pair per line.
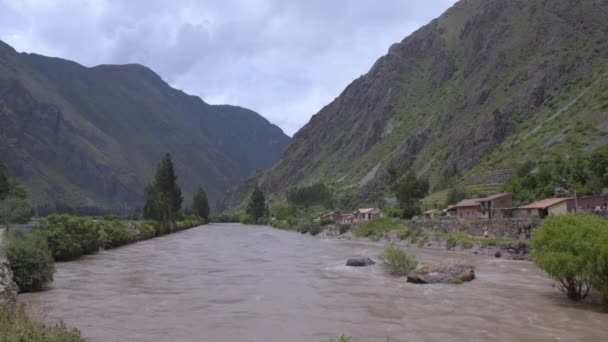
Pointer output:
543, 208
333, 216
484, 207
366, 214
432, 213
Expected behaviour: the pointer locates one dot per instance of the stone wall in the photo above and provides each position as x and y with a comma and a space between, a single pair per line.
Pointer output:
519, 228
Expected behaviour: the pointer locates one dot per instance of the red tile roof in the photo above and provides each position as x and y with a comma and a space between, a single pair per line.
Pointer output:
544, 204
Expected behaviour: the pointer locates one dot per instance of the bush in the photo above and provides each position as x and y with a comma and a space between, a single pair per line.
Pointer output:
399, 262
246, 219
30, 260
376, 227
327, 222
343, 228
16, 326
572, 249
315, 229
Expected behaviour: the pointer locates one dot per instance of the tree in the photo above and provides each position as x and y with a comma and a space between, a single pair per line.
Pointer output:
14, 207
163, 197
200, 204
409, 191
256, 208
566, 248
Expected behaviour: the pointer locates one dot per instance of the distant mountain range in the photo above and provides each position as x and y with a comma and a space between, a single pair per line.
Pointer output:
488, 85
91, 137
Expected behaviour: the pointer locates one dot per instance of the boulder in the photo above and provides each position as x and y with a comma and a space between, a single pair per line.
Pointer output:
360, 262
440, 273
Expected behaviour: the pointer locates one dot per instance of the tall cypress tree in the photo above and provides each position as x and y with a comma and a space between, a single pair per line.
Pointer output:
4, 182
163, 197
257, 204
200, 204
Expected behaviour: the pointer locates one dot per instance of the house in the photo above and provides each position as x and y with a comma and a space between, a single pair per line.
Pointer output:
347, 218
586, 203
469, 208
333, 216
366, 214
432, 213
543, 208
488, 205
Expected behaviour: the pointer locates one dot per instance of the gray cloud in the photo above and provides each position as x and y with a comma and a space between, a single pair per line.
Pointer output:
284, 59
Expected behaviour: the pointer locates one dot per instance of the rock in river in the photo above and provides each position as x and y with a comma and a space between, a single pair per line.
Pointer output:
445, 274
360, 261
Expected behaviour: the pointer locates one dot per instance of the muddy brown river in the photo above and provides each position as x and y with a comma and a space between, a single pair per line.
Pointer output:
229, 282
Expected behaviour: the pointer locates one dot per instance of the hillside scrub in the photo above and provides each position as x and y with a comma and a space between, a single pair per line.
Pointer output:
398, 261
573, 250
69, 237
16, 326
587, 174
30, 260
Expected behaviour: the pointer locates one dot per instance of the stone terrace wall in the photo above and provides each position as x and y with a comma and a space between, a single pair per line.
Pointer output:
519, 228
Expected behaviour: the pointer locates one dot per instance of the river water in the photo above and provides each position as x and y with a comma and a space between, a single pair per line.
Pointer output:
229, 282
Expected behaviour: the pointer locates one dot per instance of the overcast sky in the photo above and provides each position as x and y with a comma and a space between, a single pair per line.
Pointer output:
285, 59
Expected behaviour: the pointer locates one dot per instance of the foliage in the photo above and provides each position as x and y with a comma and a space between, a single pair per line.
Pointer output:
246, 219
570, 249
224, 218
200, 204
343, 338
16, 326
399, 262
306, 196
343, 228
256, 208
163, 197
587, 174
30, 260
377, 227
14, 207
409, 190
69, 237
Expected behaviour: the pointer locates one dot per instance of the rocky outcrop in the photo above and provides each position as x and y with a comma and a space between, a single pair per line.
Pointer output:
441, 273
8, 288
360, 262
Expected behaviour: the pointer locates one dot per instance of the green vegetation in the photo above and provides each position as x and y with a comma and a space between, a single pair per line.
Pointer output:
398, 261
200, 204
587, 174
256, 209
16, 326
163, 197
69, 237
375, 229
573, 250
30, 260
343, 338
409, 190
14, 207
306, 196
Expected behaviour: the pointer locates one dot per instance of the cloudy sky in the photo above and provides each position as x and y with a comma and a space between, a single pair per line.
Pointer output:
285, 59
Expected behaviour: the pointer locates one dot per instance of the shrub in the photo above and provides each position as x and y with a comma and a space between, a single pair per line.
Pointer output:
451, 243
376, 227
399, 262
315, 229
30, 260
246, 219
343, 228
566, 248
15, 325
327, 222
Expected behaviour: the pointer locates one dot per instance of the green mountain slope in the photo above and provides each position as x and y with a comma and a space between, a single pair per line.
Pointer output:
91, 137
486, 86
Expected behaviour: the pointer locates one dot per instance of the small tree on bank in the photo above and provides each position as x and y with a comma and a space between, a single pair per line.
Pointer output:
14, 207
163, 197
200, 204
409, 191
256, 208
573, 250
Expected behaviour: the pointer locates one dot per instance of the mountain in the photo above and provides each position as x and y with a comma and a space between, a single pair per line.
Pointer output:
91, 137
485, 87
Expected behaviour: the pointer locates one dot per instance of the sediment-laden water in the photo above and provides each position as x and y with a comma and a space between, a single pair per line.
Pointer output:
229, 282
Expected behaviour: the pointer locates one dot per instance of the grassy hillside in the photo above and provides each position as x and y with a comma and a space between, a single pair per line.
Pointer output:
91, 137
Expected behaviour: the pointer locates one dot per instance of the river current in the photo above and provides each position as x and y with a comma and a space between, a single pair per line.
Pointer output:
230, 282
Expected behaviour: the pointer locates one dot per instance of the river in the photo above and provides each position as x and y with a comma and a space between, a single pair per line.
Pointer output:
229, 282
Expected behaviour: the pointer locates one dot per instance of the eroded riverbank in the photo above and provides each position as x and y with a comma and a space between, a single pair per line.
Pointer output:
229, 282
